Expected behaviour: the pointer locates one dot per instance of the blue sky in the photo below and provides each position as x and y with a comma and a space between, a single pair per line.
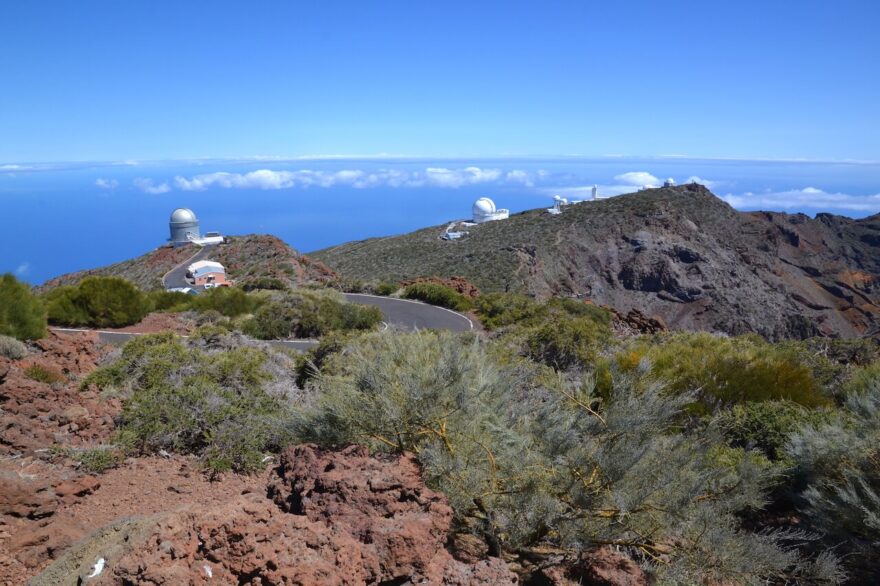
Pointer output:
114, 81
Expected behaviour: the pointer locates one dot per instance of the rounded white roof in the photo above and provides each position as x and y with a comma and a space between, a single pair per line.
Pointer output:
181, 215
484, 205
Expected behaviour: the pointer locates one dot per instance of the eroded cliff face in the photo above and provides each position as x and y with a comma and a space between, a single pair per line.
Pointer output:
678, 254
700, 265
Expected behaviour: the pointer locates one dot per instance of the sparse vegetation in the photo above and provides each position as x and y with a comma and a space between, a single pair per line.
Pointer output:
213, 396
436, 294
22, 315
92, 460
838, 473
723, 370
12, 348
554, 462
44, 374
309, 314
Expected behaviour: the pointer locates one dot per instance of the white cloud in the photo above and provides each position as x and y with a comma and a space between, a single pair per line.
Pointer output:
23, 269
518, 176
268, 179
107, 183
701, 181
147, 186
808, 198
637, 178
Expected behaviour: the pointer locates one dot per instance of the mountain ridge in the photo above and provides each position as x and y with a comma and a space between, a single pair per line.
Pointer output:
680, 254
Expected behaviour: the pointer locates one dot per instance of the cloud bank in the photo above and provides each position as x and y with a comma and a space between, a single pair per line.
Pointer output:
808, 198
148, 186
106, 183
431, 176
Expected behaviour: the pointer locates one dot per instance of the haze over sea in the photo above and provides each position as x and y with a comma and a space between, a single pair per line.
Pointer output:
59, 218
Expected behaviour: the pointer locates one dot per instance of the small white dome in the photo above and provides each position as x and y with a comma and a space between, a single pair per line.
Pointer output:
484, 206
182, 215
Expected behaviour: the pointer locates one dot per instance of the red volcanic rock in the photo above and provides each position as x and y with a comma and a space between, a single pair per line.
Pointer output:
332, 518
600, 567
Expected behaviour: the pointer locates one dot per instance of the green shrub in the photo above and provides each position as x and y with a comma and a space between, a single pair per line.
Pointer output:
263, 284
170, 300
385, 289
862, 379
92, 460
97, 302
229, 301
43, 374
12, 348
565, 342
439, 295
723, 370
766, 425
558, 465
838, 472
210, 396
310, 314
503, 309
22, 315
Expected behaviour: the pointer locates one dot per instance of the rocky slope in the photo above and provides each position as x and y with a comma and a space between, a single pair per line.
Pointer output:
315, 517
679, 254
247, 259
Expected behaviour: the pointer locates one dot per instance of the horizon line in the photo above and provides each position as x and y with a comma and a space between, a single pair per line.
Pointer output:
61, 165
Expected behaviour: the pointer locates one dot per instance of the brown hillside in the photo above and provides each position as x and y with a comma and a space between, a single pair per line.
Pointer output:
246, 258
680, 254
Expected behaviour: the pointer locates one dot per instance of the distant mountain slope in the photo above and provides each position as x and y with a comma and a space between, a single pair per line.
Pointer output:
246, 258
678, 253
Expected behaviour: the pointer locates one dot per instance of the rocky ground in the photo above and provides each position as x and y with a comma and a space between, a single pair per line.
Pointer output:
310, 517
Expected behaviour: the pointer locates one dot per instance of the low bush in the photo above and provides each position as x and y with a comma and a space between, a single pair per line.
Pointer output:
22, 315
309, 314
229, 301
439, 295
558, 465
838, 473
723, 370
496, 310
92, 460
97, 302
170, 301
565, 342
12, 348
767, 425
262, 284
43, 374
210, 396
385, 289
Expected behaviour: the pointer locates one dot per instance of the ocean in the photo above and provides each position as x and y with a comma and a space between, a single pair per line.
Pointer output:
57, 218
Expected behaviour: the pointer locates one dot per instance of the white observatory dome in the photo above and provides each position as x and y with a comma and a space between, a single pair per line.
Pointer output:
183, 215
484, 206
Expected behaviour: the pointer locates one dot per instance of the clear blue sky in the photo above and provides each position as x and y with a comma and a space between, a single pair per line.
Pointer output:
102, 80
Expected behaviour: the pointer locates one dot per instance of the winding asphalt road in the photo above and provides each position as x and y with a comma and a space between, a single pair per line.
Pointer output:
176, 277
402, 314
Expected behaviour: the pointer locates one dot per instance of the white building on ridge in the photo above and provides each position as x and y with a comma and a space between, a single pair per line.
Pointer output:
485, 211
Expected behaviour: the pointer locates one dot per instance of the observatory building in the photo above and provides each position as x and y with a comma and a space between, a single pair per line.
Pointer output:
484, 211
184, 226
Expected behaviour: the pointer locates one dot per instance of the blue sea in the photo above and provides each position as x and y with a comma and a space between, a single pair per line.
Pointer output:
57, 218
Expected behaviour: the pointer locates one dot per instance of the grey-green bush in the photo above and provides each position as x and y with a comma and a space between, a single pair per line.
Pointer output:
532, 464
12, 348
838, 470
215, 396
